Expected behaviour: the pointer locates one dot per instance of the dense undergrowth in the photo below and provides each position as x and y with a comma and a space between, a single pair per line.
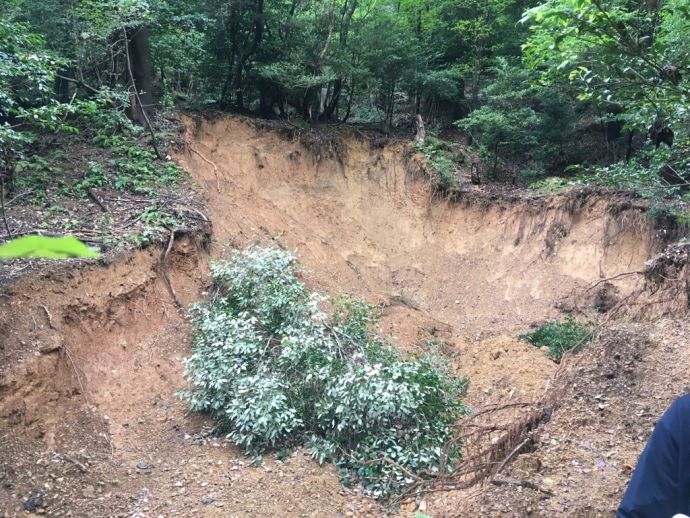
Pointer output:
278, 367
57, 173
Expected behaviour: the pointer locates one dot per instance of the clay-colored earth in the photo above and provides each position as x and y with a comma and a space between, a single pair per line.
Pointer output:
93, 354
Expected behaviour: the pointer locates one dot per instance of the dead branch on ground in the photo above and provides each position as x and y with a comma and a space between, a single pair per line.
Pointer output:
95, 198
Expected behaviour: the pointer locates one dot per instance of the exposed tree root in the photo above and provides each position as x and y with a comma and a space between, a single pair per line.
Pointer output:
215, 168
164, 268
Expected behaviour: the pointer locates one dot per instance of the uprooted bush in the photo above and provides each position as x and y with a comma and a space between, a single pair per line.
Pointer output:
560, 337
278, 367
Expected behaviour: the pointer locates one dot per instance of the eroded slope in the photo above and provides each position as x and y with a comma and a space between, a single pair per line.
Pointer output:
93, 355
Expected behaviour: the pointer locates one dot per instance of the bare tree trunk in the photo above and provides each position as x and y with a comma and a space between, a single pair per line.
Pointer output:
479, 60
139, 56
421, 132
61, 86
246, 53
348, 12
138, 106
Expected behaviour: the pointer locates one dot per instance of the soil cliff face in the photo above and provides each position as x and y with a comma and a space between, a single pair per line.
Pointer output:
364, 219
94, 353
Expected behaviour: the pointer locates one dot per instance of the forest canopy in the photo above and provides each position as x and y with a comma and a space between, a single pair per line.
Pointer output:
591, 88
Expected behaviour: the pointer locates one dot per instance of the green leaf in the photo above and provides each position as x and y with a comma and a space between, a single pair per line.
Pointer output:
46, 247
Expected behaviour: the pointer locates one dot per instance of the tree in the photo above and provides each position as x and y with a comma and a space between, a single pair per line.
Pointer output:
139, 70
27, 74
617, 55
521, 125
631, 61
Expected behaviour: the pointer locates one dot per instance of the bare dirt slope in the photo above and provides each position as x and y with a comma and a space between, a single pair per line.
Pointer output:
363, 220
92, 354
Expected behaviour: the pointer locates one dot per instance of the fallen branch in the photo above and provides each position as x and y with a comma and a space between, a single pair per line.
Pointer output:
18, 196
215, 168
165, 270
95, 198
134, 220
132, 200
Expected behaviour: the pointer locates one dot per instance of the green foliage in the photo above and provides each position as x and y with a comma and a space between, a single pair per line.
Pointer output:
275, 369
443, 157
26, 75
520, 124
366, 61
560, 337
138, 170
46, 248
631, 44
36, 173
630, 61
131, 168
551, 185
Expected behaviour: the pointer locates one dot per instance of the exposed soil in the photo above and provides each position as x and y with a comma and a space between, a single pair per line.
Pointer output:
93, 353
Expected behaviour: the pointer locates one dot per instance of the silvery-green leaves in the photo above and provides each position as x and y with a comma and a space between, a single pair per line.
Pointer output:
277, 365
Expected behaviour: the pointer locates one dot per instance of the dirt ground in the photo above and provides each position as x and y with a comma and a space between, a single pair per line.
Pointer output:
93, 352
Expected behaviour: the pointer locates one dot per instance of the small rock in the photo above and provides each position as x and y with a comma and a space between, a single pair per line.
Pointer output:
207, 501
422, 506
35, 500
53, 343
88, 491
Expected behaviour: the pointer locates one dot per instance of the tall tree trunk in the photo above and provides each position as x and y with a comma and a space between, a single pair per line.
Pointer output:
348, 11
139, 53
479, 59
61, 86
246, 53
337, 89
349, 100
226, 94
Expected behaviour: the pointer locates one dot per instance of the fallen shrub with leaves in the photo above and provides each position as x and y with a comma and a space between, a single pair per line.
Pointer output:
279, 367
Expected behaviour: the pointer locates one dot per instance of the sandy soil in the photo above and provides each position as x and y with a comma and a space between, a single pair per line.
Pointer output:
93, 354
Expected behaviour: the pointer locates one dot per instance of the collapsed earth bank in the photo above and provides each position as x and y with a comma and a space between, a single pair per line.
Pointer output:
93, 353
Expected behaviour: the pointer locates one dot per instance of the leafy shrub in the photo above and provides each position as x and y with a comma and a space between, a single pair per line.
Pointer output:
560, 337
521, 124
275, 370
443, 158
